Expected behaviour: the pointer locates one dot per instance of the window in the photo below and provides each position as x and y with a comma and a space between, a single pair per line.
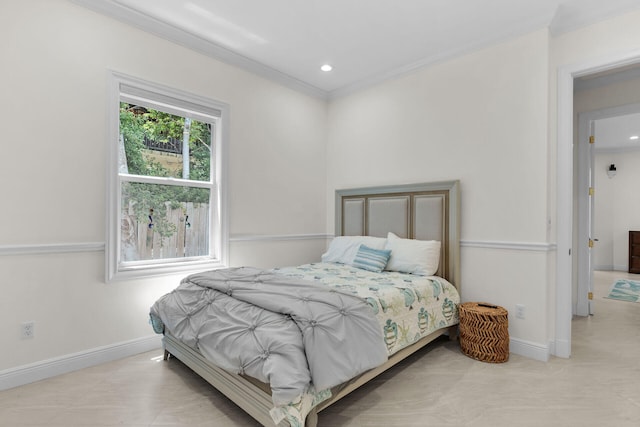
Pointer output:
166, 182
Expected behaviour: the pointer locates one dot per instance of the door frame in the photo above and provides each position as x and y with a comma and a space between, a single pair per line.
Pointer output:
585, 268
565, 191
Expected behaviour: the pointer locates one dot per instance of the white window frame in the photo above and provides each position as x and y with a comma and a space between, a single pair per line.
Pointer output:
133, 90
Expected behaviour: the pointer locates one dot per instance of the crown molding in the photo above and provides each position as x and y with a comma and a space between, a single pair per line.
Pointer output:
159, 28
562, 21
573, 15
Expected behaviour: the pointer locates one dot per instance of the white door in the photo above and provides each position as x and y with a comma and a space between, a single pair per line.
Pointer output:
592, 239
584, 215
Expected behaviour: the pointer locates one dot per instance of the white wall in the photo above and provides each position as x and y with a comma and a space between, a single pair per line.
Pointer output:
617, 208
603, 213
480, 118
487, 118
55, 60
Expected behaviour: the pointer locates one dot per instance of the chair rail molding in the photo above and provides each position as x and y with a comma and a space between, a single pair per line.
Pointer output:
518, 246
50, 248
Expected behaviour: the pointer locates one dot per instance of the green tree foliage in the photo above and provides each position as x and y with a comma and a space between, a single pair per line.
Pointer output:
147, 200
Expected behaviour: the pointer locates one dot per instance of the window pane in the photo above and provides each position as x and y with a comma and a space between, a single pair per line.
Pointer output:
163, 222
152, 144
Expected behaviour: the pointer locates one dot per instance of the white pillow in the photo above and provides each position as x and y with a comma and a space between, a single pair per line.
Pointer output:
343, 249
420, 257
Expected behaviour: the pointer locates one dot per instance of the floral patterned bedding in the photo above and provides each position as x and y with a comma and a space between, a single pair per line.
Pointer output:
408, 307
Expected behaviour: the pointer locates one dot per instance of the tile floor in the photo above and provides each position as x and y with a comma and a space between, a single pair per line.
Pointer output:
598, 386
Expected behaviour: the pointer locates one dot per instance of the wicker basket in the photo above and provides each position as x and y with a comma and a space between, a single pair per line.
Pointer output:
484, 332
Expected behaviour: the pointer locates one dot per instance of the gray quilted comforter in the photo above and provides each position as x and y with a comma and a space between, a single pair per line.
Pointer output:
290, 333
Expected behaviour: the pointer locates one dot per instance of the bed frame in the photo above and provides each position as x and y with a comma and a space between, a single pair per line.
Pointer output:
429, 211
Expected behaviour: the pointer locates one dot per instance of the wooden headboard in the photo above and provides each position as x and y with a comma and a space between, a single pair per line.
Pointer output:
428, 211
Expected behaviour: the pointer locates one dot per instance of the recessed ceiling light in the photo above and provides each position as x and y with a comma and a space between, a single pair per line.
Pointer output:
326, 67
634, 137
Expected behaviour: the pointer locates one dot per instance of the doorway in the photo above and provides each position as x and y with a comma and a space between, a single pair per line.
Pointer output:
604, 136
566, 192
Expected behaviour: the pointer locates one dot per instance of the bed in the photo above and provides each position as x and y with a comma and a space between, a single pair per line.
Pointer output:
375, 318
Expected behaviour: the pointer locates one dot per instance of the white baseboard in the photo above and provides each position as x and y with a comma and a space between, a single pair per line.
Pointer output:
26, 374
528, 349
610, 267
72, 362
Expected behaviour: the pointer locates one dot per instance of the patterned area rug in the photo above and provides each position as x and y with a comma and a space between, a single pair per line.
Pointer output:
625, 290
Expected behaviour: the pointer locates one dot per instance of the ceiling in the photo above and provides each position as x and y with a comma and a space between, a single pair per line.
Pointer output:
614, 133
366, 41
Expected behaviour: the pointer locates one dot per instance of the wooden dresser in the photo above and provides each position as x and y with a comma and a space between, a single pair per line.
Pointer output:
634, 251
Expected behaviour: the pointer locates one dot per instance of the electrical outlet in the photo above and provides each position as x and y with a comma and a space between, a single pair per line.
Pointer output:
519, 311
28, 329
